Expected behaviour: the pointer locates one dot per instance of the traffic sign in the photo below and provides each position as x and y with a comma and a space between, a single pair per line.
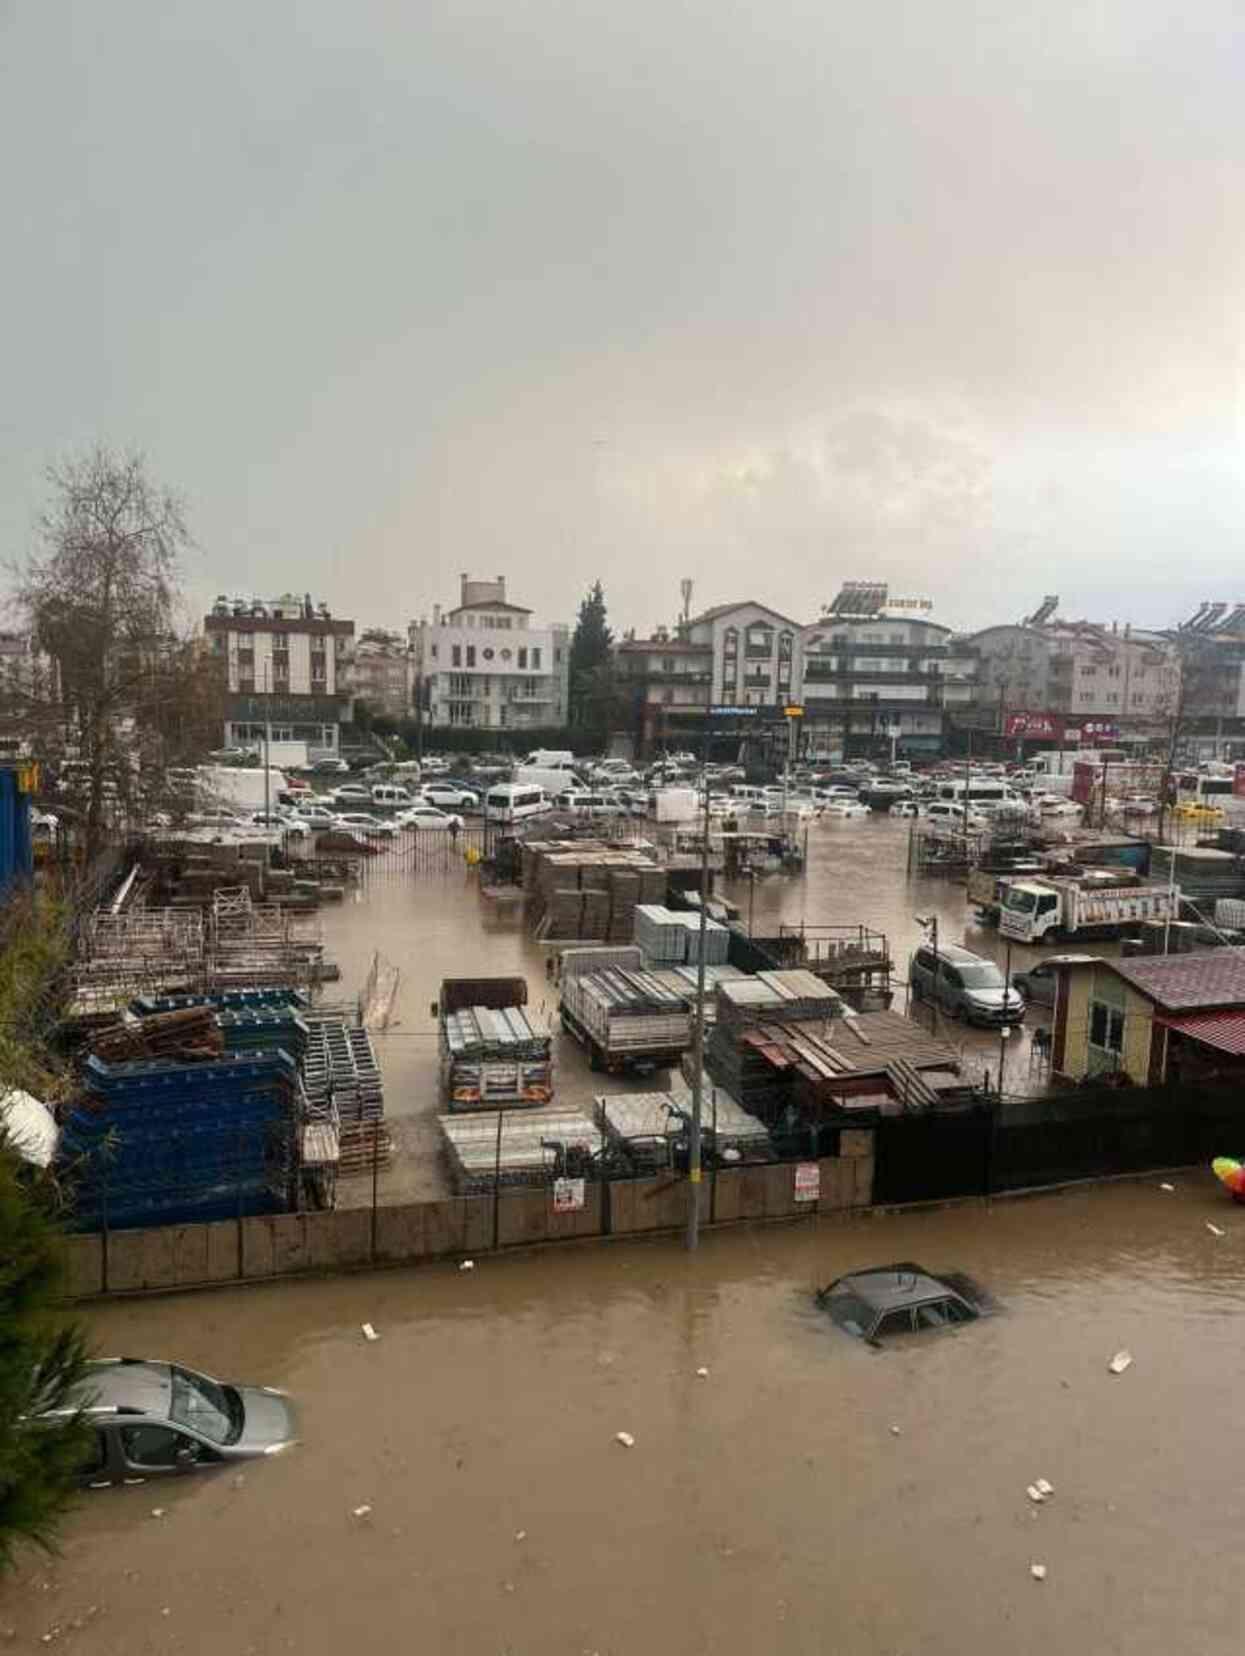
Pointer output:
795, 711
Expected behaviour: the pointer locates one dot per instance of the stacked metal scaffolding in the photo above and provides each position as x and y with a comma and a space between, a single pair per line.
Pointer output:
495, 1056
525, 1147
161, 1142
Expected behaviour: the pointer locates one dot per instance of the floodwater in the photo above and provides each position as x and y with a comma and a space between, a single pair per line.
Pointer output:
435, 924
810, 1495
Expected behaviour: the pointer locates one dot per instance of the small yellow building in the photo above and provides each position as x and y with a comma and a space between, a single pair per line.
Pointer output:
1150, 1019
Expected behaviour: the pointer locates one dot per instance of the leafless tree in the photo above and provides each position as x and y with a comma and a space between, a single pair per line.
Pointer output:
98, 594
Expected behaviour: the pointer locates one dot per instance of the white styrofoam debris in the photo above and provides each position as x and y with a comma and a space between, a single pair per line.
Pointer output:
362, 1512
1035, 1494
369, 1333
702, 1373
157, 1512
625, 1438
1167, 1187
895, 1431
1042, 1485
1038, 1572
520, 1535
1121, 1361
1214, 1229
467, 1265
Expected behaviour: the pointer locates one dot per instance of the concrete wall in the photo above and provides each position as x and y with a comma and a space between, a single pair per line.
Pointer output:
186, 1256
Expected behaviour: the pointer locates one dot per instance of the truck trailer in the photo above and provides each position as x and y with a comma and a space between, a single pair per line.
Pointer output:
1050, 909
627, 1020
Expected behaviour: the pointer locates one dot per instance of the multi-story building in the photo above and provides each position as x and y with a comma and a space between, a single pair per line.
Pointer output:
380, 672
483, 665
1052, 680
754, 653
29, 687
881, 676
1210, 712
667, 683
287, 668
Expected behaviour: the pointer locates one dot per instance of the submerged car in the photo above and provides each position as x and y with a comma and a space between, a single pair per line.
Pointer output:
901, 1299
151, 1419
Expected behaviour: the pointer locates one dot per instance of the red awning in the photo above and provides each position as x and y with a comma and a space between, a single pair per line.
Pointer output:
1225, 1031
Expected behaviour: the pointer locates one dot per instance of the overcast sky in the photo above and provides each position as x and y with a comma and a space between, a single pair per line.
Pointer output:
769, 295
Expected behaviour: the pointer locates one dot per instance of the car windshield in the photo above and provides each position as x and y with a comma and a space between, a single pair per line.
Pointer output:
849, 1312
983, 974
1021, 902
213, 1410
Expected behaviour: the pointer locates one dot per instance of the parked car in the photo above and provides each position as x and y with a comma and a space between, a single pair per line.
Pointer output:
846, 808
362, 822
281, 823
964, 984
432, 766
449, 794
901, 1299
351, 793
317, 816
330, 767
1037, 983
423, 817
215, 819
155, 1419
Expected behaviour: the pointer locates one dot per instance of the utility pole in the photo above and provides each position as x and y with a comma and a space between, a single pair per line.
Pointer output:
267, 738
698, 1028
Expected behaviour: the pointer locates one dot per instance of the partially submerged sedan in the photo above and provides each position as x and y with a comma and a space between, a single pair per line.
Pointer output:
901, 1299
152, 1419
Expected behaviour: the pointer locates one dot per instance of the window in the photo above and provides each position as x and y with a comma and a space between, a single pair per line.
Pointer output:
557, 656
160, 1448
1106, 1027
523, 656
895, 1322
471, 655
456, 655
536, 657
730, 641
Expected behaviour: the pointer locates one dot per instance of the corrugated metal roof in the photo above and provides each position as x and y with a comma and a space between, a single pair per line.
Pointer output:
1223, 1030
1183, 983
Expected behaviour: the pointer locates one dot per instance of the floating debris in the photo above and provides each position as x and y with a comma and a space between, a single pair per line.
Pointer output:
369, 1333
625, 1438
362, 1512
1214, 1229
1167, 1187
1121, 1361
1038, 1572
467, 1265
702, 1373
1044, 1488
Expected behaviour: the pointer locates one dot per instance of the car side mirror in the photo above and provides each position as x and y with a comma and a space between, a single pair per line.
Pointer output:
185, 1457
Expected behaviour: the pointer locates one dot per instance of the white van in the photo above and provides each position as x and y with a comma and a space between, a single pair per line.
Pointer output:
387, 793
981, 790
510, 802
949, 815
552, 759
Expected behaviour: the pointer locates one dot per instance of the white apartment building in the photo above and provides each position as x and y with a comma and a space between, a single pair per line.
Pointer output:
287, 661
483, 665
755, 652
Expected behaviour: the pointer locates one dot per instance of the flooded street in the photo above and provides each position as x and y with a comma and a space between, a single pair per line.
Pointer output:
435, 924
769, 1506
809, 1494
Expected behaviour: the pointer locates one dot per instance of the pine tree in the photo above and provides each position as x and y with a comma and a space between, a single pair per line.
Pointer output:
42, 1361
591, 664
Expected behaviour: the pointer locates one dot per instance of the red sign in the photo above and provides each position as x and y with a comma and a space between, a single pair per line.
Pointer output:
1084, 778
1047, 727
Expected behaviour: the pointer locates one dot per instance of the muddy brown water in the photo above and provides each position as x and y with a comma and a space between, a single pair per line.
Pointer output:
768, 1507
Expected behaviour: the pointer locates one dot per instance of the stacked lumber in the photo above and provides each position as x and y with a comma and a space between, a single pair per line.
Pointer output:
189, 1033
587, 889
